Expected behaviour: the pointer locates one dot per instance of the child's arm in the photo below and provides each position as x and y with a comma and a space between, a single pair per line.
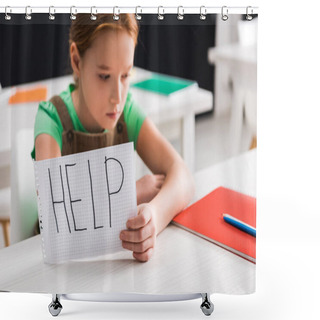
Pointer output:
174, 195
148, 187
46, 147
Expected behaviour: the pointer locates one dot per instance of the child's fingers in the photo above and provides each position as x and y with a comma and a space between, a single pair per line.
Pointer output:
140, 220
138, 235
159, 180
139, 247
145, 256
159, 176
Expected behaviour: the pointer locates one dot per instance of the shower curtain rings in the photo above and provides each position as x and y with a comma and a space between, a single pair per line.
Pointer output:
116, 12
52, 11
180, 13
28, 13
73, 13
138, 16
160, 15
7, 10
224, 13
249, 16
92, 16
203, 13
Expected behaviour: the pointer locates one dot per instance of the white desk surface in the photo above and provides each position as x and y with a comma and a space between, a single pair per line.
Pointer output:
182, 262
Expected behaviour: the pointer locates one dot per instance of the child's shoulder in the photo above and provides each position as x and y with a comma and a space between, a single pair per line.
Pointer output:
48, 116
47, 107
50, 109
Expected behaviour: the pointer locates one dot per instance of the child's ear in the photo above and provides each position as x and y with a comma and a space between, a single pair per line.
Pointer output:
75, 59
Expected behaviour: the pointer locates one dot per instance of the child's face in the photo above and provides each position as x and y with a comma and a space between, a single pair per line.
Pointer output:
104, 77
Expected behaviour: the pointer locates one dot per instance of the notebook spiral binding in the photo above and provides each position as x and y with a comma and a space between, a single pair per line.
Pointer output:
138, 11
40, 217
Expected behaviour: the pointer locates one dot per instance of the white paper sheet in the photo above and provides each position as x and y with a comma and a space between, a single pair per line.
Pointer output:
84, 201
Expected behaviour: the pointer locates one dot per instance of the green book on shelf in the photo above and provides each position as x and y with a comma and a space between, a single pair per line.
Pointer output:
165, 85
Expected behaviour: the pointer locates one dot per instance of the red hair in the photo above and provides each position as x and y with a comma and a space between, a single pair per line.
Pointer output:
84, 31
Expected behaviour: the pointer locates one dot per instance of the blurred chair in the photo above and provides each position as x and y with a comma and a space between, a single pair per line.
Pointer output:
5, 121
24, 213
5, 214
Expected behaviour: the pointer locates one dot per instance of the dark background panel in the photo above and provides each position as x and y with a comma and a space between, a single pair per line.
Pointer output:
38, 49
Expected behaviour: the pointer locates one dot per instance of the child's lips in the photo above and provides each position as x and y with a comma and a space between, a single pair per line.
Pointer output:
113, 115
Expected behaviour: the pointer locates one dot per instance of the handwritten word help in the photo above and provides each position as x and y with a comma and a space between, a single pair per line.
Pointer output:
84, 201
72, 201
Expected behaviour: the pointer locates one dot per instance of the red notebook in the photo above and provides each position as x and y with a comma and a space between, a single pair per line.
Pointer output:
205, 219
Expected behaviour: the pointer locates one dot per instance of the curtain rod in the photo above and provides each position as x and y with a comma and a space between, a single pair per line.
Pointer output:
224, 10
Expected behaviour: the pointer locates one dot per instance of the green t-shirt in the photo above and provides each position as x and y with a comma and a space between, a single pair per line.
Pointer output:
48, 120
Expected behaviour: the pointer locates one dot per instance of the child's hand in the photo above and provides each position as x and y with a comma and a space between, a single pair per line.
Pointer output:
148, 187
140, 237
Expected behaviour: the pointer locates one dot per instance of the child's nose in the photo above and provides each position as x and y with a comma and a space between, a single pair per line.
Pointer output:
115, 96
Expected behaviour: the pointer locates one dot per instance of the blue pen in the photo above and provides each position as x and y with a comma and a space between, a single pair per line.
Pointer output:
239, 224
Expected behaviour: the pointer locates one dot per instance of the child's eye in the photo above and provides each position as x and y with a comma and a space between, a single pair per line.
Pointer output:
104, 76
125, 76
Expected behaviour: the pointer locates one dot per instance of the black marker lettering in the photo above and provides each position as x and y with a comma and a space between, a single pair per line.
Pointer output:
110, 193
55, 202
93, 210
72, 201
